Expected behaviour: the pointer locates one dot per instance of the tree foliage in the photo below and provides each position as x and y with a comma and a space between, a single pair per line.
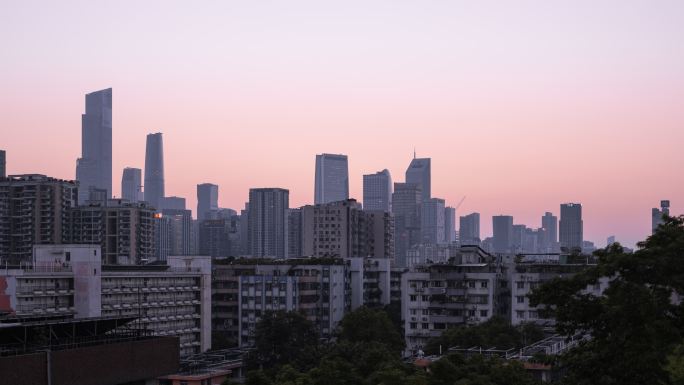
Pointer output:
636, 324
285, 338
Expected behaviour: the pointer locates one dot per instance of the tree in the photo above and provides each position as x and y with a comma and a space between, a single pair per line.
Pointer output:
634, 327
285, 338
368, 325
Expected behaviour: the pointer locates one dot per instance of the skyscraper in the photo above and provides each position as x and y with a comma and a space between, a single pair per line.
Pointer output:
207, 200
3, 164
131, 184
406, 207
377, 191
154, 170
418, 173
432, 221
571, 226
469, 229
449, 225
268, 222
657, 214
332, 178
550, 236
94, 167
503, 233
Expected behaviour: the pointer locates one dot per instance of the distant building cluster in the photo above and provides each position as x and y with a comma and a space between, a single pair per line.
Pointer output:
70, 250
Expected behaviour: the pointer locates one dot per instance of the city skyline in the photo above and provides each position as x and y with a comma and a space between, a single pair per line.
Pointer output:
515, 131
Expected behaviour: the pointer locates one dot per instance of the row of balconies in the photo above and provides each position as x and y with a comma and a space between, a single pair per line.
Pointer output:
128, 305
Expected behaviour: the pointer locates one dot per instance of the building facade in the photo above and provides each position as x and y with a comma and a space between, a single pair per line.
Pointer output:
207, 200
94, 167
268, 220
34, 210
433, 221
332, 178
154, 170
377, 191
131, 184
571, 226
469, 229
125, 231
407, 210
419, 173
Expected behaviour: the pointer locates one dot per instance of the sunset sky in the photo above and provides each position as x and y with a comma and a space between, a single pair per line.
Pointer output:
522, 105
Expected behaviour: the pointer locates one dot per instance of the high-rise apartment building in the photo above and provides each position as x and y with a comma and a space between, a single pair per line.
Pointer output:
180, 231
377, 191
268, 217
332, 178
207, 200
432, 221
33, 211
3, 164
294, 233
657, 214
94, 167
343, 230
154, 170
406, 207
550, 227
131, 184
469, 229
503, 233
419, 173
124, 230
449, 225
571, 226
213, 238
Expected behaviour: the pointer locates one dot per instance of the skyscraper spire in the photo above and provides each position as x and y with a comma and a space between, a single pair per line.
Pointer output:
414, 153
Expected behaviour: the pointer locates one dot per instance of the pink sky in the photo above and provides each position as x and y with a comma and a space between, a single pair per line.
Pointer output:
521, 105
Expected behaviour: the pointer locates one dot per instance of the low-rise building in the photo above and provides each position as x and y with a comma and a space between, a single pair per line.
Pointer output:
69, 281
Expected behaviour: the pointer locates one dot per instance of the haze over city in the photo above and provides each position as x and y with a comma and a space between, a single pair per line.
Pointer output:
521, 107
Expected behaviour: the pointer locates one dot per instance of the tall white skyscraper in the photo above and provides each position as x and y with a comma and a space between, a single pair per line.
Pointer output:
94, 167
571, 226
154, 170
268, 222
377, 191
131, 184
207, 200
332, 178
418, 173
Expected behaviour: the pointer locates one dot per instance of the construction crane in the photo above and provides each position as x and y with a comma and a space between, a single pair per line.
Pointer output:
460, 203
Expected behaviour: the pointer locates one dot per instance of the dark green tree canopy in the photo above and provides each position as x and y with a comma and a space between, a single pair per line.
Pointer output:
636, 324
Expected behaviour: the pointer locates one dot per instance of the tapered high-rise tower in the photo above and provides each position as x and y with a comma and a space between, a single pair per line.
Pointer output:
154, 170
94, 167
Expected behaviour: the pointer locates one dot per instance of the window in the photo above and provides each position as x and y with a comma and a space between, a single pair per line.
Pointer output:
68, 256
426, 325
484, 313
520, 314
426, 298
471, 284
471, 313
413, 325
520, 299
521, 284
483, 284
414, 298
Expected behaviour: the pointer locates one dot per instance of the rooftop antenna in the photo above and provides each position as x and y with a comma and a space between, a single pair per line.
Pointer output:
414, 153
